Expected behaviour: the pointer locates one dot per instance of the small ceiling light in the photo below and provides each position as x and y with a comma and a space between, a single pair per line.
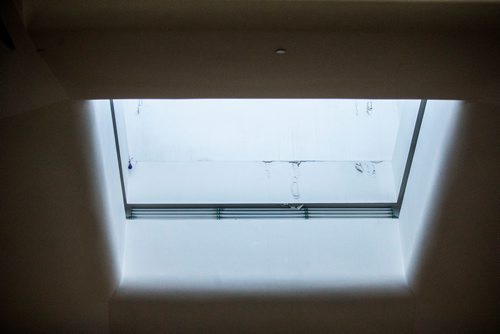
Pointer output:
280, 51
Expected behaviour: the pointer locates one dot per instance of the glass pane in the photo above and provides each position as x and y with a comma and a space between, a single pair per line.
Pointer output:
264, 150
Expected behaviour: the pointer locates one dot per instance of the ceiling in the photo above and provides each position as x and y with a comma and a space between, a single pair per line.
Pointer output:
354, 15
225, 49
451, 51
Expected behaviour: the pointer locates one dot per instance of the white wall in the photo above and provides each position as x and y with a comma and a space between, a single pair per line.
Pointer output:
108, 178
427, 174
306, 253
268, 255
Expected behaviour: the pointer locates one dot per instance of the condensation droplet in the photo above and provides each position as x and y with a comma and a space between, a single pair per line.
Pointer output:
295, 179
358, 105
366, 168
267, 168
359, 167
295, 190
369, 107
139, 107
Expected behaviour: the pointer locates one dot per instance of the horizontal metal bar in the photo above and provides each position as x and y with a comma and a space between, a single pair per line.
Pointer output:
259, 213
260, 205
264, 210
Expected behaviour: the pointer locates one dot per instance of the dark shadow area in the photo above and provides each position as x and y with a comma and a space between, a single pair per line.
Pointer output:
375, 312
56, 265
26, 81
291, 15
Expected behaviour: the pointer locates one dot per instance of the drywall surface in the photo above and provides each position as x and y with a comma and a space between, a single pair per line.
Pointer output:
429, 171
221, 49
367, 15
269, 255
26, 81
263, 276
323, 312
48, 239
456, 278
243, 64
449, 224
107, 178
448, 233
57, 261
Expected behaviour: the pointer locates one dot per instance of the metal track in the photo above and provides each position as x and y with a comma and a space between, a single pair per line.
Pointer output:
259, 213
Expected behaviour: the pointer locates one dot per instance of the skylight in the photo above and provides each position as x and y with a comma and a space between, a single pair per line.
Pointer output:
265, 153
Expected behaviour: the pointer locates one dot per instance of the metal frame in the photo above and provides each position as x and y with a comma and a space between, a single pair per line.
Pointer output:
119, 158
409, 159
281, 210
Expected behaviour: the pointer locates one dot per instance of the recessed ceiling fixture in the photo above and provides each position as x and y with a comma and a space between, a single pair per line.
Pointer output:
280, 51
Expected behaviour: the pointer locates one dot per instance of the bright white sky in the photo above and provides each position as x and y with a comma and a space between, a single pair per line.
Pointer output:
261, 129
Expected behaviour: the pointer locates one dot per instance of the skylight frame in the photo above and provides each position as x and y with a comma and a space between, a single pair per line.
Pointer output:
271, 210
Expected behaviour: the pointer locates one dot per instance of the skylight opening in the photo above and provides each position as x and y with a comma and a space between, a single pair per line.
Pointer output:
296, 158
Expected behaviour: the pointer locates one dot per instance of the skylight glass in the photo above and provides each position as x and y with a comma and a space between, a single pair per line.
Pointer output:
264, 151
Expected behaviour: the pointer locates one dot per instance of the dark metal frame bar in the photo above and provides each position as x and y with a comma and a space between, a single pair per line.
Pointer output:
409, 159
118, 154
